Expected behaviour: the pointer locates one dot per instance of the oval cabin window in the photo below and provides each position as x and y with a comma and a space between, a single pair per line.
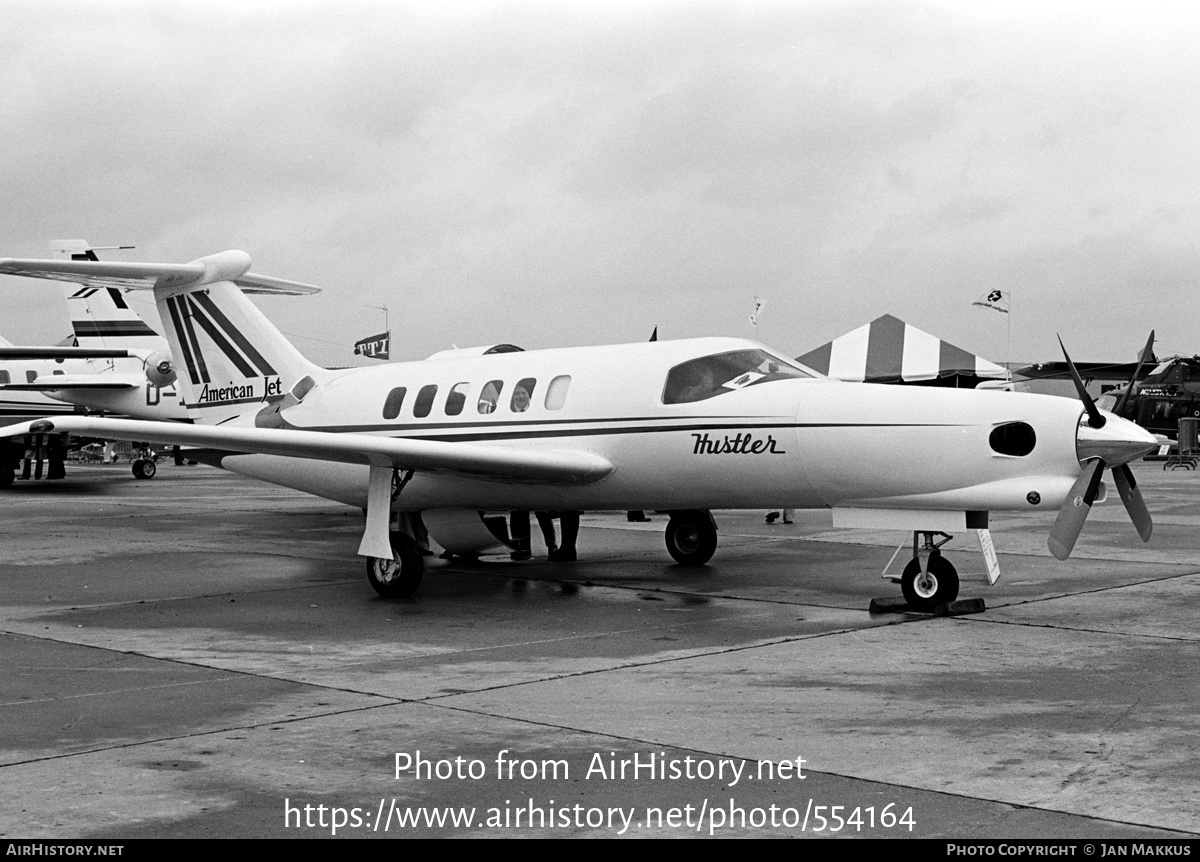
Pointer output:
424, 402
457, 399
395, 399
556, 392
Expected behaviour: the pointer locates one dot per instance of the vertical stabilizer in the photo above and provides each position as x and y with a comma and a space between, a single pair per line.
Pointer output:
102, 316
230, 358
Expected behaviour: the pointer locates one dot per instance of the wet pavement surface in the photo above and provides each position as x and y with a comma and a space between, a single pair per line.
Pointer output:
200, 655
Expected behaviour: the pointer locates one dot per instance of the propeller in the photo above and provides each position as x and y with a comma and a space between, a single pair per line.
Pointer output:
1116, 447
1147, 352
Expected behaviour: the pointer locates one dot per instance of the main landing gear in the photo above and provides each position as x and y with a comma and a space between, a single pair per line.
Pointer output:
936, 583
143, 462
692, 536
399, 577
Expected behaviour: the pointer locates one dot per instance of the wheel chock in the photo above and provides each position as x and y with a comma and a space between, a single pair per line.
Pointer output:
897, 605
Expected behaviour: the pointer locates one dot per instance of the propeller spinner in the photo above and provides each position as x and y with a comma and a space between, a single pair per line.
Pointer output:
1103, 440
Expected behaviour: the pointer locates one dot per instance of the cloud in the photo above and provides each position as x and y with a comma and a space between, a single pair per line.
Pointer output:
573, 173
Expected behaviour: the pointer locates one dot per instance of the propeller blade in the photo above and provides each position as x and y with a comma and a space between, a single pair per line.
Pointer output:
1147, 351
1132, 498
1074, 512
1095, 419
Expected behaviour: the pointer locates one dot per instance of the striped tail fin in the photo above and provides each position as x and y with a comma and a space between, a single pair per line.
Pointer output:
102, 316
231, 360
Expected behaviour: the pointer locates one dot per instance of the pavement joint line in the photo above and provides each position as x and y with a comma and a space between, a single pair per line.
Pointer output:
1061, 628
200, 734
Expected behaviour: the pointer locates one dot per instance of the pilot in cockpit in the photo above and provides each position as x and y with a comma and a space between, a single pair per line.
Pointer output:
697, 386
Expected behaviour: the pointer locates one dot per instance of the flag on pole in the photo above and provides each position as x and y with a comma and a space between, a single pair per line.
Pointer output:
758, 306
374, 346
995, 300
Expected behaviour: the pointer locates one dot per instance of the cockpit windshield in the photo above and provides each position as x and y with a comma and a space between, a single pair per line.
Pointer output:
709, 376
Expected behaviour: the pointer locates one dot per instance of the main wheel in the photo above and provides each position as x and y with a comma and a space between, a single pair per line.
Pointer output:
691, 541
149, 468
399, 577
139, 469
937, 585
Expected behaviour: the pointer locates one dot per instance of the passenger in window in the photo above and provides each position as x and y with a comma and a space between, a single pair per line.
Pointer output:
520, 399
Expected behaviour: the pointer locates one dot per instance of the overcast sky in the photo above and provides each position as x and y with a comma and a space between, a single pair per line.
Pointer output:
555, 173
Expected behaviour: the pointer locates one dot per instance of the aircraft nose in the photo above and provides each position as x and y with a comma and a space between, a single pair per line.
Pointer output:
1118, 441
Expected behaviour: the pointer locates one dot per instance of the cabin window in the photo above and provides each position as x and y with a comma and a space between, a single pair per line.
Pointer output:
4, 378
30, 376
58, 371
556, 392
522, 395
490, 396
424, 402
391, 407
457, 399
1013, 438
709, 376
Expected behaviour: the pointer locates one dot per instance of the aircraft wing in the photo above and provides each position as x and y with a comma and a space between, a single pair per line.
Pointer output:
64, 353
228, 266
470, 460
52, 383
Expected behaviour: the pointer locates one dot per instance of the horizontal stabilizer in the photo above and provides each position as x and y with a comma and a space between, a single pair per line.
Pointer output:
226, 266
469, 460
55, 382
63, 353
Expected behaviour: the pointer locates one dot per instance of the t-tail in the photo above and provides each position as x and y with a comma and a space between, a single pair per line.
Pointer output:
230, 358
102, 317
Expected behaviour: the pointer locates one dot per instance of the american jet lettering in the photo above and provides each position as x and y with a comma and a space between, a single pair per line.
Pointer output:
238, 393
614, 427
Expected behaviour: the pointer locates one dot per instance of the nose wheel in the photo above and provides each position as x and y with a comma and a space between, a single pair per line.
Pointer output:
933, 584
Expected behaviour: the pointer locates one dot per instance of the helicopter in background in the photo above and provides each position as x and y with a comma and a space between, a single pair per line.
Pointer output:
1155, 399
1159, 400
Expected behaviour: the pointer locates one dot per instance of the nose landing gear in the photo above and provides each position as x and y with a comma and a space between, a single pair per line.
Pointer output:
935, 583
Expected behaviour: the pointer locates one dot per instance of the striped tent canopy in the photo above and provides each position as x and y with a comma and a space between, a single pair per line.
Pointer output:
888, 350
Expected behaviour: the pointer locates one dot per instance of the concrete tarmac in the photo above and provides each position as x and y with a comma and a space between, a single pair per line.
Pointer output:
200, 655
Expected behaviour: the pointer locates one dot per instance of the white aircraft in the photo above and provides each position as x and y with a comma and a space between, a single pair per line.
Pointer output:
681, 426
117, 364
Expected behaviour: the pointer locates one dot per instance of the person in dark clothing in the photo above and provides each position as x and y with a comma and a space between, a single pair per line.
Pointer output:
569, 524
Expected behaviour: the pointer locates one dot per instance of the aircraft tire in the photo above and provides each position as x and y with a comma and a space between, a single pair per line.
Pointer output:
139, 468
691, 541
149, 468
937, 586
399, 577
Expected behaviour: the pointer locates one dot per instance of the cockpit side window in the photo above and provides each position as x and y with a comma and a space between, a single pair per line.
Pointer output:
709, 376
